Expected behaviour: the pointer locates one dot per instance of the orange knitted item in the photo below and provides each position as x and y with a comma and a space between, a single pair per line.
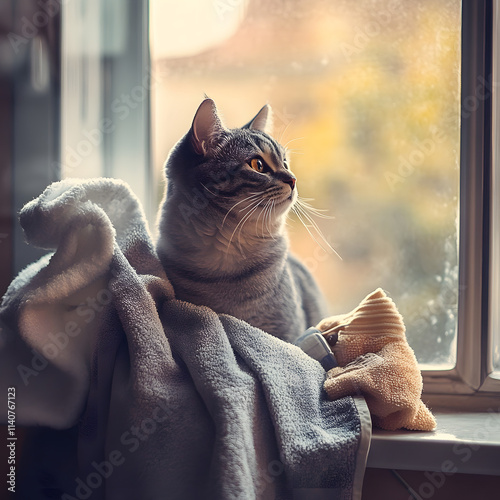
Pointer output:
376, 361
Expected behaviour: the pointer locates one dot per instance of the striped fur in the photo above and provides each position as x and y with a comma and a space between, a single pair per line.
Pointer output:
222, 238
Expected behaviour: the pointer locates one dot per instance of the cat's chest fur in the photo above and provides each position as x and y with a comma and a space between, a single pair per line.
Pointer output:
264, 292
275, 308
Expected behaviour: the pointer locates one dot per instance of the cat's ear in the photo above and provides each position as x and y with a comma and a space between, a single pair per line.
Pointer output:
206, 124
262, 121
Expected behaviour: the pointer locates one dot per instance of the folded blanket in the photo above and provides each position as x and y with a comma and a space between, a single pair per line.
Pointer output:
376, 361
160, 398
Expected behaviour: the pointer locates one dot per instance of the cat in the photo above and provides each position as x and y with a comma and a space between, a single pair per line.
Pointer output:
221, 226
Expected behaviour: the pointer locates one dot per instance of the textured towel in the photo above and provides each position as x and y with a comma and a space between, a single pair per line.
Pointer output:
375, 360
162, 399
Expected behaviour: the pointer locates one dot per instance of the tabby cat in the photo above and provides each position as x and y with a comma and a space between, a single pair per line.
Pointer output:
222, 238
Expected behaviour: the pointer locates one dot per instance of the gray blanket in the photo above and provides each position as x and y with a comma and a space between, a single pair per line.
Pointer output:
131, 394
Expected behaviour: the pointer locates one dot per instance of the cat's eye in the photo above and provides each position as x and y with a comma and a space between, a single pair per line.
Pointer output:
258, 165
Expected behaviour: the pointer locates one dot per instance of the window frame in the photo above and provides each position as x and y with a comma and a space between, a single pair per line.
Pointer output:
471, 374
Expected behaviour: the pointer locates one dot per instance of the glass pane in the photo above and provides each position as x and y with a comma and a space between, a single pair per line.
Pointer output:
105, 88
366, 94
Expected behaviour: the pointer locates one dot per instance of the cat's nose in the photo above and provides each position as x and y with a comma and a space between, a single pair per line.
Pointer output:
290, 181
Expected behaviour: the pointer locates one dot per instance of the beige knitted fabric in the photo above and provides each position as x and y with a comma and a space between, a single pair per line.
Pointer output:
376, 361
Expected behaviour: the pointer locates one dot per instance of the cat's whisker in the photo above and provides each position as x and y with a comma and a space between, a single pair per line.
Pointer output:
236, 204
304, 199
211, 192
273, 206
293, 140
311, 220
247, 217
251, 204
287, 219
311, 224
269, 217
308, 230
242, 221
266, 191
284, 131
302, 214
254, 204
263, 217
313, 210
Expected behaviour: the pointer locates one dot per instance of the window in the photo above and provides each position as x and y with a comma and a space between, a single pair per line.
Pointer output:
386, 104
105, 92
75, 86
367, 96
386, 107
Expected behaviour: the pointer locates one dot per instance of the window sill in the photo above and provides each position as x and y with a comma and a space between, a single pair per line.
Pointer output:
464, 442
